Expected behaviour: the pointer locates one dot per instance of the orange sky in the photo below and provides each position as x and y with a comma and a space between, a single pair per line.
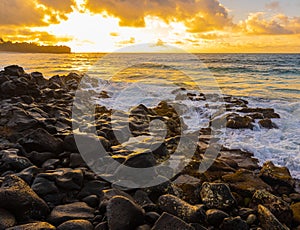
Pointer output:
193, 25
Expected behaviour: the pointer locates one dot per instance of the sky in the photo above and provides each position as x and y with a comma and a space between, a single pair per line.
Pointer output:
206, 26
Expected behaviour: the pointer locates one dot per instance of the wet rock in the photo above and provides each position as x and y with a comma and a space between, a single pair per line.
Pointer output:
42, 186
6, 219
151, 217
190, 188
102, 226
93, 187
267, 123
17, 197
69, 179
108, 194
144, 227
278, 177
217, 196
268, 220
76, 161
38, 158
233, 121
73, 211
296, 212
142, 199
234, 223
251, 219
215, 217
50, 164
276, 205
245, 182
76, 225
175, 206
168, 221
42, 141
267, 112
123, 214
11, 161
92, 201
33, 226
14, 70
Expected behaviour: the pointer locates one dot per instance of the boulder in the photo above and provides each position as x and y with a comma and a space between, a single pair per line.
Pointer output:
276, 205
73, 211
17, 197
123, 214
167, 221
217, 196
76, 225
175, 206
215, 217
234, 223
6, 219
278, 177
14, 70
267, 123
245, 182
268, 220
296, 212
33, 226
42, 141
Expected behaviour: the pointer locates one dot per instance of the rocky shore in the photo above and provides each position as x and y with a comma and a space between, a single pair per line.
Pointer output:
45, 183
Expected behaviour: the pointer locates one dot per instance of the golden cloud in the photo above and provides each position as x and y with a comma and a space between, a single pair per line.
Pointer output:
280, 24
197, 15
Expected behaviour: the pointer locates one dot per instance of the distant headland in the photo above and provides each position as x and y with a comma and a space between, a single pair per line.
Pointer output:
25, 47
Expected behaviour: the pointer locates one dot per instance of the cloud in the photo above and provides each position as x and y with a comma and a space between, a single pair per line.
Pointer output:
114, 34
20, 12
257, 24
160, 42
34, 12
127, 42
273, 6
197, 15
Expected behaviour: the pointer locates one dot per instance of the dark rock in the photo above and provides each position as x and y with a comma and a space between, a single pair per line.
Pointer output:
28, 174
245, 182
296, 212
76, 161
102, 226
268, 220
73, 211
14, 70
278, 177
108, 194
70, 179
168, 221
175, 206
76, 225
6, 219
123, 214
42, 186
17, 197
93, 187
251, 219
42, 141
276, 205
92, 201
11, 161
233, 121
234, 223
215, 217
189, 186
142, 199
38, 158
267, 123
50, 164
217, 196
267, 112
33, 226
151, 217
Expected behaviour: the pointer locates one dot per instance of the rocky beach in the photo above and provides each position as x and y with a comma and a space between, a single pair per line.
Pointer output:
46, 184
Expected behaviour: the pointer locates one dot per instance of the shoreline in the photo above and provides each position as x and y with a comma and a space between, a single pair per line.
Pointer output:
39, 155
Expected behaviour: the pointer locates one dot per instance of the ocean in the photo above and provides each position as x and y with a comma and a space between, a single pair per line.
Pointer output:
264, 80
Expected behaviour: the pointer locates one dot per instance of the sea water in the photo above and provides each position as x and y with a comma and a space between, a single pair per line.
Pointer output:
264, 80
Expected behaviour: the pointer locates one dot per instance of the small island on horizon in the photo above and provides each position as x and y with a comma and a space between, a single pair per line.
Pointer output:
25, 47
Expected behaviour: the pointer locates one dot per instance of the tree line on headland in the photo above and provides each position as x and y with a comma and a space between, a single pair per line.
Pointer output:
25, 47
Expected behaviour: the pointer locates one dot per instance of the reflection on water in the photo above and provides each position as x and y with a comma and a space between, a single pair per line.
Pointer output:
260, 75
